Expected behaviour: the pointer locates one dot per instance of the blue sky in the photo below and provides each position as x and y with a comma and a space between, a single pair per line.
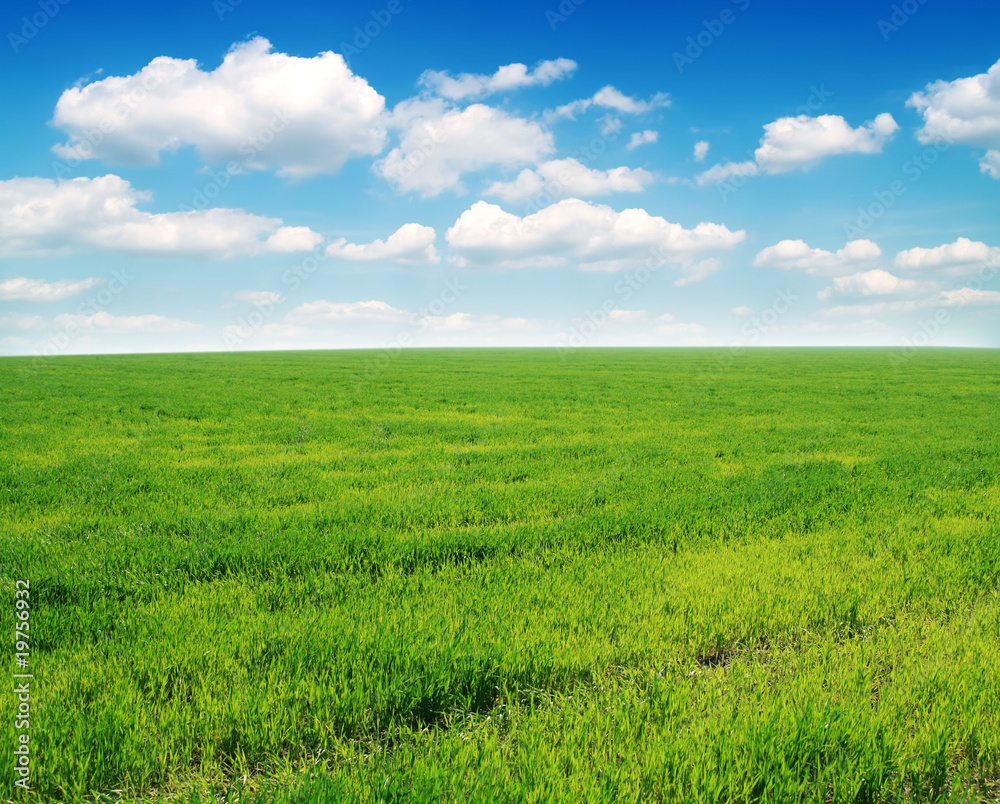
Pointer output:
230, 176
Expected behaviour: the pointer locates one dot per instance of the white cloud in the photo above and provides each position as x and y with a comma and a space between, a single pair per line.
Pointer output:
742, 310
259, 297
352, 318
627, 316
341, 312
867, 327
505, 79
438, 146
667, 324
610, 125
795, 255
610, 98
14, 342
959, 297
562, 178
856, 270
961, 258
642, 138
800, 143
724, 171
696, 271
963, 296
45, 216
870, 310
595, 235
410, 243
105, 322
22, 288
990, 164
867, 283
289, 239
701, 150
22, 321
966, 110
468, 322
299, 116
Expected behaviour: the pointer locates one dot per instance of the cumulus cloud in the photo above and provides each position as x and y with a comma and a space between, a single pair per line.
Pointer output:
562, 178
961, 258
45, 216
802, 142
298, 116
701, 151
105, 322
867, 283
742, 310
289, 239
410, 243
506, 78
610, 98
642, 138
795, 255
22, 288
966, 110
439, 145
594, 235
799, 143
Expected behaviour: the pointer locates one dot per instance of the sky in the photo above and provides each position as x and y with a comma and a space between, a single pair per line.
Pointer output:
240, 175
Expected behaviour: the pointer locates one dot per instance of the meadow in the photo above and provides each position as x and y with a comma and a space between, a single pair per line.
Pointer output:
503, 575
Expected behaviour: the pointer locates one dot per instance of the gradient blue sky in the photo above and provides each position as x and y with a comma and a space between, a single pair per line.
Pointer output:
844, 192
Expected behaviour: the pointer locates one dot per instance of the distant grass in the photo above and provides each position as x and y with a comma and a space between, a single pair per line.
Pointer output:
500, 575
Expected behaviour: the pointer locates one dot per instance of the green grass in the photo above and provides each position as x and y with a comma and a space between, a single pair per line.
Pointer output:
506, 575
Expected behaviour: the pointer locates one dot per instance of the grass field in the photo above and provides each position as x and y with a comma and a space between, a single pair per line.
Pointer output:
505, 575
